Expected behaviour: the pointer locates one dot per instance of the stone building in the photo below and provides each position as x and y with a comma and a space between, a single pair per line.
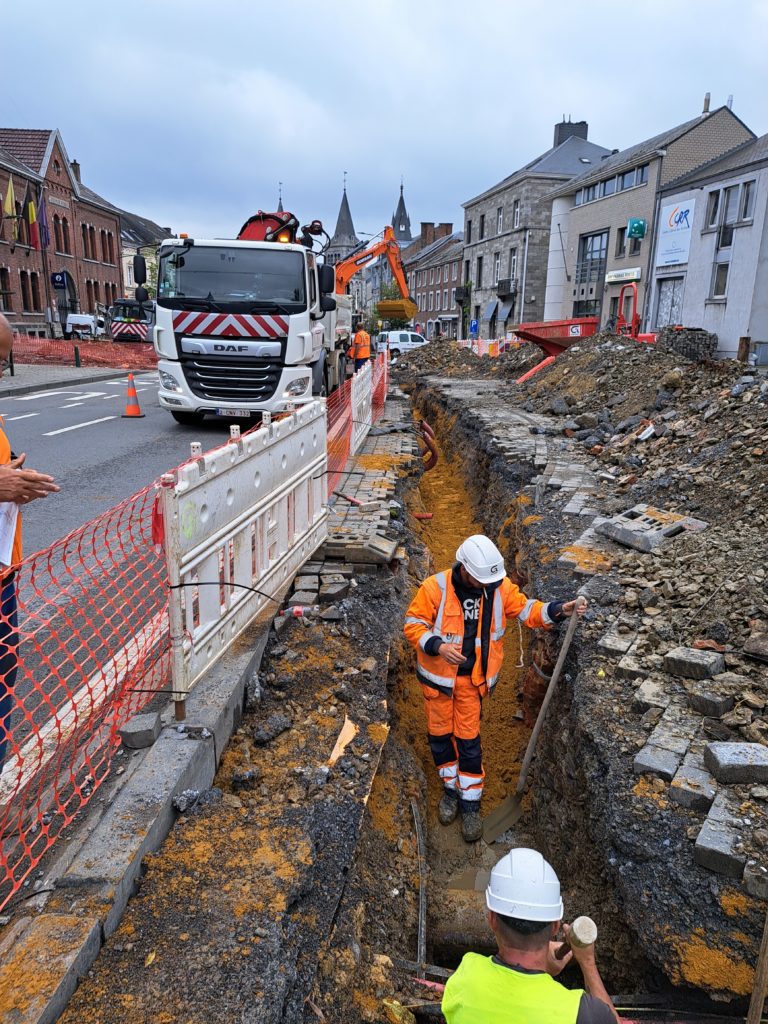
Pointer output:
591, 249
83, 236
710, 264
506, 234
433, 274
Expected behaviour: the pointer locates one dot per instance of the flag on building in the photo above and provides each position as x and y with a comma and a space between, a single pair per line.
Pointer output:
9, 209
34, 230
45, 231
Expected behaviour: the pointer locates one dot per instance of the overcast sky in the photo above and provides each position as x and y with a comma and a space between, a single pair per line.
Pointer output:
191, 111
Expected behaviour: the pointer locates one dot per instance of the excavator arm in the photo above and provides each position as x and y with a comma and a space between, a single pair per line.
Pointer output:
403, 309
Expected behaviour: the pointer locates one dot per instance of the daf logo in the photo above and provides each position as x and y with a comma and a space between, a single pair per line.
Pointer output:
230, 348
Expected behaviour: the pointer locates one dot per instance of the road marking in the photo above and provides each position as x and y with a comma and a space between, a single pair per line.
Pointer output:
25, 416
72, 406
88, 423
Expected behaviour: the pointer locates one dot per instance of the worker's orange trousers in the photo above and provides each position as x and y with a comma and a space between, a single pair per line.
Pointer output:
453, 728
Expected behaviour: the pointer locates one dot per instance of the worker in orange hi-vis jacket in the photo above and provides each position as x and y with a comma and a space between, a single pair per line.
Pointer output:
360, 349
456, 623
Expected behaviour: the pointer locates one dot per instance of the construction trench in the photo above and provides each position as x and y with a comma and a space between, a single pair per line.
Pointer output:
291, 892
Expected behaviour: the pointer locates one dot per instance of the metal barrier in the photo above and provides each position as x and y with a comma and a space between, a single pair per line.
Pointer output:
98, 610
238, 522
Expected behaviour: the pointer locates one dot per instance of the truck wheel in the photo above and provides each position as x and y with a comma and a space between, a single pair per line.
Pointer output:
188, 419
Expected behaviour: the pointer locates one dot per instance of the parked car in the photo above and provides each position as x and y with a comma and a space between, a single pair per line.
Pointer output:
84, 325
399, 342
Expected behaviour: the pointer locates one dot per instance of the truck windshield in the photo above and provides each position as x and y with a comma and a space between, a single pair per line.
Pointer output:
130, 311
228, 278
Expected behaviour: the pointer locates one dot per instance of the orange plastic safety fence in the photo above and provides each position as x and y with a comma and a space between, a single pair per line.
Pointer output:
339, 432
127, 355
90, 649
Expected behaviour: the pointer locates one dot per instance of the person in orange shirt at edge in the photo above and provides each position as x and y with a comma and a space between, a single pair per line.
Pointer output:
456, 623
360, 349
20, 486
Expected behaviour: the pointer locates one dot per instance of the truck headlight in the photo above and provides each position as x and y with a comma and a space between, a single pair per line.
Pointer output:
296, 387
169, 382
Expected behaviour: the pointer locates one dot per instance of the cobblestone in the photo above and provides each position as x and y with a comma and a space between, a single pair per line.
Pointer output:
693, 664
717, 848
737, 762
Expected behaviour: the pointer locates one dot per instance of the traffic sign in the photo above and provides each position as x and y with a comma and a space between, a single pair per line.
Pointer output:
473, 326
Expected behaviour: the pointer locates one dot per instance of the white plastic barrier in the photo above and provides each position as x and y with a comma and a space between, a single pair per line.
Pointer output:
239, 522
362, 406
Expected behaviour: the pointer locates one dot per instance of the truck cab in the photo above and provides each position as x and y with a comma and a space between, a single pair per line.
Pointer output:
243, 326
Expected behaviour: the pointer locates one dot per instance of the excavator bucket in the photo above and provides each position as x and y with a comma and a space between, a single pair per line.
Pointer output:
397, 309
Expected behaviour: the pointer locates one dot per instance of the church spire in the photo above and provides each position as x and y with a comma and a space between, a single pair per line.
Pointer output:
344, 237
401, 222
280, 197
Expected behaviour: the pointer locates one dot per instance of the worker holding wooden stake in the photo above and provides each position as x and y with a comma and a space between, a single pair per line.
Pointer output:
456, 623
524, 912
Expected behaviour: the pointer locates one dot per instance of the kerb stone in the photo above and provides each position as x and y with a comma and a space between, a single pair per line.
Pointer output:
737, 762
141, 731
692, 663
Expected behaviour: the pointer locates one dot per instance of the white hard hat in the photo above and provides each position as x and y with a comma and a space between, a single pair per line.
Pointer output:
482, 559
525, 886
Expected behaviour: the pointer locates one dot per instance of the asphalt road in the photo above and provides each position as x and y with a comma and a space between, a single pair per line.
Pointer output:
98, 458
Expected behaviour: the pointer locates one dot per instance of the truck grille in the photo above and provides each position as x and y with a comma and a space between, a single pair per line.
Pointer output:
231, 380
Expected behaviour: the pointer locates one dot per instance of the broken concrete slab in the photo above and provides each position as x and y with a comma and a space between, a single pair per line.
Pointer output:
692, 788
41, 962
737, 762
653, 760
645, 528
691, 663
717, 848
141, 730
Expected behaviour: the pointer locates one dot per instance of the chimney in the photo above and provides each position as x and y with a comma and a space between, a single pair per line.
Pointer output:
729, 101
74, 164
427, 233
706, 104
567, 129
443, 230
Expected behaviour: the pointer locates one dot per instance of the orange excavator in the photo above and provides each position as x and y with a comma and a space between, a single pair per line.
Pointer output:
400, 309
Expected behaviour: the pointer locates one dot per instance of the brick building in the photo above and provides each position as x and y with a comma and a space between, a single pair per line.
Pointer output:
84, 236
433, 270
590, 253
506, 234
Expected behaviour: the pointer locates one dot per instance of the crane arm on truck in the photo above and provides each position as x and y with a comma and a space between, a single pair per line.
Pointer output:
405, 308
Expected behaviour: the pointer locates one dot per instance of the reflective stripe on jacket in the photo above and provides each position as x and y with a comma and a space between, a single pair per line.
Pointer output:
436, 611
484, 990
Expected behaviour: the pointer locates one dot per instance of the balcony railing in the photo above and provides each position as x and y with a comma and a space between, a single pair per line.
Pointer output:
506, 286
590, 272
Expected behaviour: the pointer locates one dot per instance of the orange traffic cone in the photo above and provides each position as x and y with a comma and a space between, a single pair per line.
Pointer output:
132, 407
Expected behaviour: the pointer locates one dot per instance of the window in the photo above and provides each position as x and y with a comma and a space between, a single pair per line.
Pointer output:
499, 220
747, 205
5, 290
96, 292
729, 213
621, 242
25, 296
431, 294
456, 270
496, 267
578, 199
85, 241
67, 248
23, 225
129, 273
445, 273
634, 246
437, 299
453, 298
92, 239
35, 287
516, 214
609, 186
57, 242
626, 180
466, 271
642, 174
479, 275
713, 209
513, 263
591, 193
445, 298
431, 275
469, 231
104, 253
719, 281
481, 232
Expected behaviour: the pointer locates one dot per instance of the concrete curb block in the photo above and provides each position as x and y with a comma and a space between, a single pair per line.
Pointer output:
29, 389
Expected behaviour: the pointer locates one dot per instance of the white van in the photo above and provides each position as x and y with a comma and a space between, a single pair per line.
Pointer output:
399, 342
84, 325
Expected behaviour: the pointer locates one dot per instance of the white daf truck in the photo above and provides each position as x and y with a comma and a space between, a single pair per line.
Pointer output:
248, 325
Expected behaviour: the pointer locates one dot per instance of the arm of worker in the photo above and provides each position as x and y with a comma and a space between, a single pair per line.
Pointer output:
599, 1009
538, 614
419, 623
24, 485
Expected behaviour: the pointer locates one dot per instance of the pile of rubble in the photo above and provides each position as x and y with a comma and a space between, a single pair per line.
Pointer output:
696, 431
448, 359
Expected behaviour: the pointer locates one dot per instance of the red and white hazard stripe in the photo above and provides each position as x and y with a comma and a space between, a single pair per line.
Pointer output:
230, 325
137, 330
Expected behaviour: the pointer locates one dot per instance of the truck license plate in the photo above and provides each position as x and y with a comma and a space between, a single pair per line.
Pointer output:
235, 413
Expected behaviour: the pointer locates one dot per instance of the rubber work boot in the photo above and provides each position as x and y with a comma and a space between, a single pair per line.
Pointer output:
471, 825
448, 808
